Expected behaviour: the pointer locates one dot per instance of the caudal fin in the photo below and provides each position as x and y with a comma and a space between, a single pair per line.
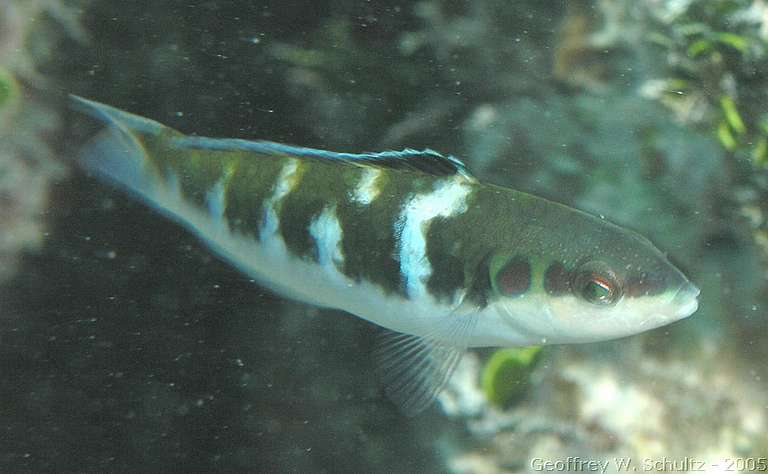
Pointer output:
108, 114
117, 153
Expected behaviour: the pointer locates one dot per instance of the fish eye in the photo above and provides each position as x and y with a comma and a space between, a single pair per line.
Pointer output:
596, 284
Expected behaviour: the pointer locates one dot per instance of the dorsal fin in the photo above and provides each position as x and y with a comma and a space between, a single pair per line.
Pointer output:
425, 161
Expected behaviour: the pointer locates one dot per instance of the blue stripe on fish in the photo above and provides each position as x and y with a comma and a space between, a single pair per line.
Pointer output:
427, 161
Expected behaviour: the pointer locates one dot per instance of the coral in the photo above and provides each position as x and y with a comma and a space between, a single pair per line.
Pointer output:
25, 176
28, 33
27, 124
627, 402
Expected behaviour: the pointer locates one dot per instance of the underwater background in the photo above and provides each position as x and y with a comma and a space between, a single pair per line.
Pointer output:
125, 346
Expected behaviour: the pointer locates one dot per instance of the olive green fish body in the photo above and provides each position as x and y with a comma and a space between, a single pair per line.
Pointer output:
408, 240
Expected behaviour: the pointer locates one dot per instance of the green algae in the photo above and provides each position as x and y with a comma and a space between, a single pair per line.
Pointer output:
506, 375
9, 89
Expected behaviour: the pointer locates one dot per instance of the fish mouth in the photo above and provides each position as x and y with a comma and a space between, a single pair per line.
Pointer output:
686, 300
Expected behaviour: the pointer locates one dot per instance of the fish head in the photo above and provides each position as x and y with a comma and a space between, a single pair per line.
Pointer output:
602, 285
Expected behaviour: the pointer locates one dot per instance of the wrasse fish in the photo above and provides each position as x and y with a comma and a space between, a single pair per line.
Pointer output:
408, 240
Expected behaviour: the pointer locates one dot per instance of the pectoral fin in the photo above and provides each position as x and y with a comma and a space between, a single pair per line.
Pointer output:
415, 369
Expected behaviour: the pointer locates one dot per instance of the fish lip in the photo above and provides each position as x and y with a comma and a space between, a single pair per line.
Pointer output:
686, 300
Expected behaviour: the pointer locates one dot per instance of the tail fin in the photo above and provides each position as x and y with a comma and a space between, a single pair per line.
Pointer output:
111, 115
117, 153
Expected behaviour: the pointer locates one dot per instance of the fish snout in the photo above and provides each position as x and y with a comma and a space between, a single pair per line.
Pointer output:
686, 300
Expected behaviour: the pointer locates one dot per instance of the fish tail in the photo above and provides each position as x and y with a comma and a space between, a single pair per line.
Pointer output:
118, 153
111, 115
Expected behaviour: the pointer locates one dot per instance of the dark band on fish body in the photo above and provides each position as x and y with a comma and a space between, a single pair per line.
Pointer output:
557, 279
454, 255
198, 172
247, 191
446, 257
449, 237
370, 241
480, 288
321, 186
302, 205
514, 278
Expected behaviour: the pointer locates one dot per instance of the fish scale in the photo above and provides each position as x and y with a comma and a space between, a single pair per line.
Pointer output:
408, 240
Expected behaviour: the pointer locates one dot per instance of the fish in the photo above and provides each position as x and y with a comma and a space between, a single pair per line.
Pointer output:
408, 240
